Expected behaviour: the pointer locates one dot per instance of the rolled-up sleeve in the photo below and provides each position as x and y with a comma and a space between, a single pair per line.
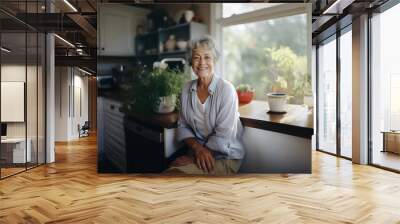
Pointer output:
226, 122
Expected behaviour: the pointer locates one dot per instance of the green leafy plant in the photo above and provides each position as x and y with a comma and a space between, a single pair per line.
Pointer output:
145, 94
244, 88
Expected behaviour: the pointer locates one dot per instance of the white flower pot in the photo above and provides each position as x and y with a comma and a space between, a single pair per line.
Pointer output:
165, 105
189, 14
277, 102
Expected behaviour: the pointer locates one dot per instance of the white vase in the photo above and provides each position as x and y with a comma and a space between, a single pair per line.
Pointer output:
182, 45
170, 43
166, 104
277, 102
189, 14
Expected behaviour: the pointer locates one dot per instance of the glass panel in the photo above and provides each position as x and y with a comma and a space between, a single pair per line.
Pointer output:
264, 55
31, 98
327, 97
386, 89
346, 94
13, 87
229, 9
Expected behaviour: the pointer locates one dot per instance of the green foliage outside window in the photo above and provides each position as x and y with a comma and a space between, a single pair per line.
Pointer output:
269, 55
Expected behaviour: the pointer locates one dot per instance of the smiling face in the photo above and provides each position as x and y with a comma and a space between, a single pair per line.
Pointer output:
202, 62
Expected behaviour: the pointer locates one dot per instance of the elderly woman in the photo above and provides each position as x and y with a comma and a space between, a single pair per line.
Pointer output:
209, 124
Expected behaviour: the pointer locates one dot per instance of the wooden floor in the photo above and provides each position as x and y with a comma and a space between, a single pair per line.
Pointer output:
10, 171
387, 159
71, 191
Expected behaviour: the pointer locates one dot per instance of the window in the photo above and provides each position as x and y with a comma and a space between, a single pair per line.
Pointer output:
346, 93
327, 96
334, 105
230, 9
385, 88
260, 50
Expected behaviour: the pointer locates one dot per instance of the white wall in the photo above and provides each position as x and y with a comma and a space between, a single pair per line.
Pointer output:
71, 93
61, 103
12, 73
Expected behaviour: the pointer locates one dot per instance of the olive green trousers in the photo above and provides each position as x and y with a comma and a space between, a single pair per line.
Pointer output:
221, 167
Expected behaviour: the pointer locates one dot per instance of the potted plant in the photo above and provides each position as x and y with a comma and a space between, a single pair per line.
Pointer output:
157, 91
245, 93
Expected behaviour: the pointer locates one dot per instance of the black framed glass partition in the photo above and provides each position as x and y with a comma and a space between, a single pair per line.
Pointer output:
385, 88
22, 100
334, 104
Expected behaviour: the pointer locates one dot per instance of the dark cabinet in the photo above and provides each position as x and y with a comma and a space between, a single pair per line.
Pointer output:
144, 148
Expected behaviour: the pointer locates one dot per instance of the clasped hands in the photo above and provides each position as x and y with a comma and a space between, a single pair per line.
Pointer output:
203, 158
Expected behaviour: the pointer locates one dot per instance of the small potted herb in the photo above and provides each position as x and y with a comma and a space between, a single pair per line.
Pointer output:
245, 93
157, 91
166, 85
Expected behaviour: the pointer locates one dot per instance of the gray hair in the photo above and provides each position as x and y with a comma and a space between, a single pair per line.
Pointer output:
205, 41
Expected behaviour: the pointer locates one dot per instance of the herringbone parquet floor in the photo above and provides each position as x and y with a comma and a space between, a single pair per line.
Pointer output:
71, 191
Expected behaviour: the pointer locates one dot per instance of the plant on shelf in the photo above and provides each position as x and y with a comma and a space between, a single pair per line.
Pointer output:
245, 93
157, 91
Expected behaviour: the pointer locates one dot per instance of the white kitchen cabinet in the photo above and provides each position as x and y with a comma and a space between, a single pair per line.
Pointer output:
113, 134
117, 29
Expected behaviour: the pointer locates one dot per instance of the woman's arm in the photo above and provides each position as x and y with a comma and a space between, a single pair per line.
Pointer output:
184, 131
204, 157
226, 122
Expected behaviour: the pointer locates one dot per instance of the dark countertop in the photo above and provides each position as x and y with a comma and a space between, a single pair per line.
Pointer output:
169, 120
298, 121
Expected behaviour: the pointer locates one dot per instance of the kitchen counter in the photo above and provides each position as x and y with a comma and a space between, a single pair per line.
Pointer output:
157, 121
298, 121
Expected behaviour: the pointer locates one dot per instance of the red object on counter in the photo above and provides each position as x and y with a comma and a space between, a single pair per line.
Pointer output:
245, 97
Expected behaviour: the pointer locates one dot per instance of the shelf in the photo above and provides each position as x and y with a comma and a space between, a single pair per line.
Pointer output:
152, 40
175, 27
173, 52
147, 55
147, 34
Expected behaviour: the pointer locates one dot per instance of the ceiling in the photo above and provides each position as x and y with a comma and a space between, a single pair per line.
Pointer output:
76, 24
